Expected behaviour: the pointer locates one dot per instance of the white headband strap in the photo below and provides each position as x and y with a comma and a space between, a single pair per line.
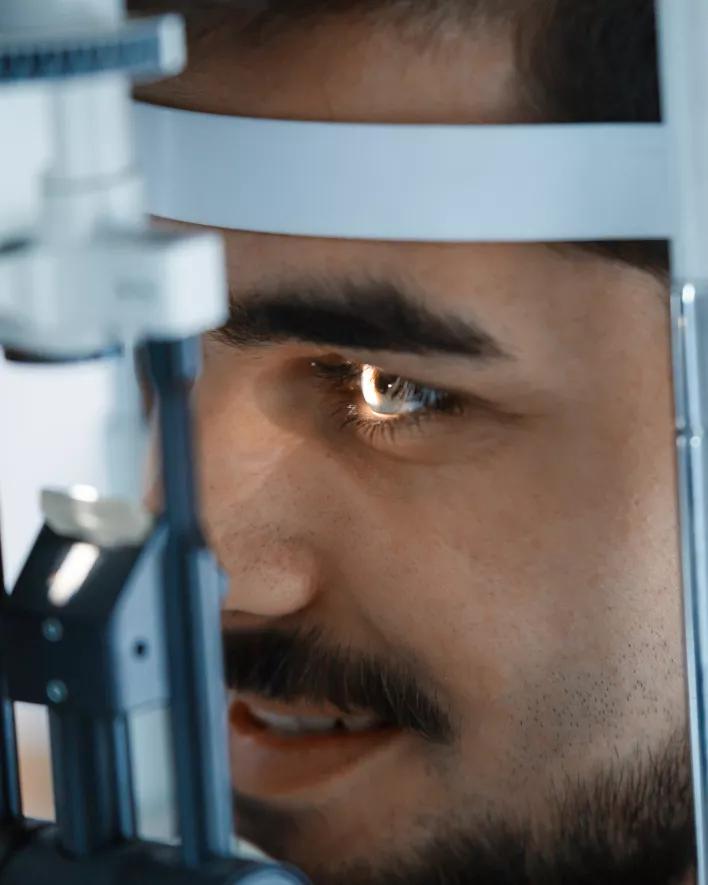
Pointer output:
405, 182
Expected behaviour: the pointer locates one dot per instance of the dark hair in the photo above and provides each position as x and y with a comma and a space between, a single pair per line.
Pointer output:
595, 61
581, 61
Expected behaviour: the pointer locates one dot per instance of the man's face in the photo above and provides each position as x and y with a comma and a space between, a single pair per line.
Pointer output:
440, 478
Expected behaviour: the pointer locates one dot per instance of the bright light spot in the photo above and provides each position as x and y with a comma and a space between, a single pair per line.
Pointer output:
84, 493
72, 573
688, 295
389, 396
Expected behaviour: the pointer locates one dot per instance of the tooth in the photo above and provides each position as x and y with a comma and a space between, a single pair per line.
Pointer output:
360, 723
294, 724
278, 722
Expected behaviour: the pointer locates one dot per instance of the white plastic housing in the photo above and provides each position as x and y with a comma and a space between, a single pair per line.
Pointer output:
24, 156
80, 271
684, 36
65, 300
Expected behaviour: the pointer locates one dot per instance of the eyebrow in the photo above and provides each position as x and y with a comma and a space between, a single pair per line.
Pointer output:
369, 316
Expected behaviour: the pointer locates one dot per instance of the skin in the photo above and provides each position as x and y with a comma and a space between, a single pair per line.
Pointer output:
528, 566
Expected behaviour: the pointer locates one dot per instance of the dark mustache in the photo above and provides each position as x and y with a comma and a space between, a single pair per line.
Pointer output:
300, 667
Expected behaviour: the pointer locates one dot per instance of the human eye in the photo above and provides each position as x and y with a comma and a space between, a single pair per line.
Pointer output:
374, 402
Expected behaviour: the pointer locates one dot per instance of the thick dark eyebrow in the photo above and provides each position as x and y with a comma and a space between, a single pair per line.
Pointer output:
369, 316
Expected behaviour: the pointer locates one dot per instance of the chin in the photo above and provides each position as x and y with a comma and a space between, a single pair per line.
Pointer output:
322, 845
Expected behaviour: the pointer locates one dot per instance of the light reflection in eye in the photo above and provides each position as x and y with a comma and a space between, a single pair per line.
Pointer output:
392, 395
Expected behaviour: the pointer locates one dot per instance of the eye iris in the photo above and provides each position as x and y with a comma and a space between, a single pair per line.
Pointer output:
391, 394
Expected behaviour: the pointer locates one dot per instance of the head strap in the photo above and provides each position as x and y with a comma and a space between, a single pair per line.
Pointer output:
406, 182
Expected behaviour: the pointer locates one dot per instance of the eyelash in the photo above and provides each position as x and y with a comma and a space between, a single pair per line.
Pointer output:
345, 379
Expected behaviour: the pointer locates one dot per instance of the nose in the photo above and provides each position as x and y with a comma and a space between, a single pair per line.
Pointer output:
259, 505
269, 577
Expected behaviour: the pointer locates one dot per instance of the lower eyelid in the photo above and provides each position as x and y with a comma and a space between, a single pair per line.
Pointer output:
415, 420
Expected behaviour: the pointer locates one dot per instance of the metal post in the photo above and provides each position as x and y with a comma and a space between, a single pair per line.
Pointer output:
93, 789
683, 32
10, 793
192, 604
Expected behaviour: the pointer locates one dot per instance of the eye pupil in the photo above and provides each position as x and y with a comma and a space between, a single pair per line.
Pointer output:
386, 383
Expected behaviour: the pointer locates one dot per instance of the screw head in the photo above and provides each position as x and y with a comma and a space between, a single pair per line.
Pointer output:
57, 691
141, 648
52, 630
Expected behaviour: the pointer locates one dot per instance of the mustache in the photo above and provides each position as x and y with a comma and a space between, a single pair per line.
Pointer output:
291, 666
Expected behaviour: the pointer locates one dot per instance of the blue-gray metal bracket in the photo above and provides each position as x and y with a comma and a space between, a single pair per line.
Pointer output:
134, 48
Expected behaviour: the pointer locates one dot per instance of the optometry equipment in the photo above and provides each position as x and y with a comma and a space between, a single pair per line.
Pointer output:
113, 609
124, 285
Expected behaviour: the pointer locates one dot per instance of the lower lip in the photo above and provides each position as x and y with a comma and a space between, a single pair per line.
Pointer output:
266, 764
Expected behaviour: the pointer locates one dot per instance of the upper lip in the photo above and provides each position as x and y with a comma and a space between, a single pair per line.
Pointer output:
303, 676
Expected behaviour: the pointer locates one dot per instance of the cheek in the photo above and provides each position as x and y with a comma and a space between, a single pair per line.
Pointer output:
528, 584
239, 449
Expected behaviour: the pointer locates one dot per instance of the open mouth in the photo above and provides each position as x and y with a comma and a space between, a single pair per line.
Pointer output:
301, 726
280, 748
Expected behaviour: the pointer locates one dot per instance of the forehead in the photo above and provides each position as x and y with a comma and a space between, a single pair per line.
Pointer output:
349, 68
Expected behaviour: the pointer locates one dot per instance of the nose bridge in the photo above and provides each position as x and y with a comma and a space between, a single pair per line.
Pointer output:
247, 466
259, 503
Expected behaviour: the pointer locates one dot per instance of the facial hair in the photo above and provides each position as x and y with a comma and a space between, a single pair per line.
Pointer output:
629, 824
